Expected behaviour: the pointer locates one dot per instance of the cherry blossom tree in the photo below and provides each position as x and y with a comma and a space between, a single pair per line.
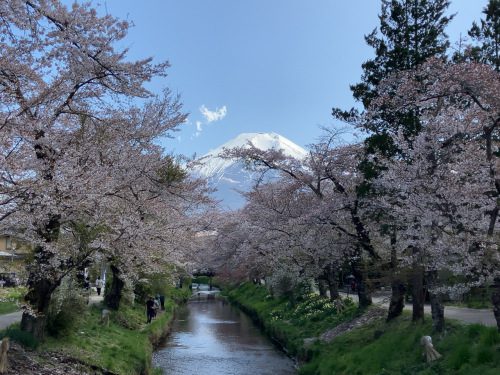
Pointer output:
77, 145
445, 188
330, 175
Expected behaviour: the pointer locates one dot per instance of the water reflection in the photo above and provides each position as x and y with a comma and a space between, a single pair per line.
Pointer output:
211, 337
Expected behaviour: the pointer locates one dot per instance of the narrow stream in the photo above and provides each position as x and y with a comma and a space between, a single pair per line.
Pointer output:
211, 337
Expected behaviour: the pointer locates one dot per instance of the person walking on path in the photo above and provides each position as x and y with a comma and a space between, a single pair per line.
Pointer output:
86, 284
150, 309
98, 285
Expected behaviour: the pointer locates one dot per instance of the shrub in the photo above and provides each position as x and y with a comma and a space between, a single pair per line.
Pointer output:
24, 338
61, 321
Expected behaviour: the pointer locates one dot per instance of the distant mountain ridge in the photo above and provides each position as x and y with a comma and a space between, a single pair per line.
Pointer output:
230, 176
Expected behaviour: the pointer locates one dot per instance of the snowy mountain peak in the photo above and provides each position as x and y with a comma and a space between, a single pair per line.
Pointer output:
230, 177
212, 165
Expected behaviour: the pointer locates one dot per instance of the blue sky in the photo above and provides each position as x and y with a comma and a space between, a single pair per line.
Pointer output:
258, 65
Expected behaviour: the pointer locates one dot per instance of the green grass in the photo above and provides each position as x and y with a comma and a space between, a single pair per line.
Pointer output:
125, 347
8, 307
24, 338
289, 324
379, 348
394, 348
10, 299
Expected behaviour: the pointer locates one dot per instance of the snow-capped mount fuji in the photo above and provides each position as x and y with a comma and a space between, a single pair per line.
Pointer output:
229, 176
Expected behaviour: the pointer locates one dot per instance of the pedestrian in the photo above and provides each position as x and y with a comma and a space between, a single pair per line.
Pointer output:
162, 302
98, 285
157, 304
86, 284
86, 287
150, 309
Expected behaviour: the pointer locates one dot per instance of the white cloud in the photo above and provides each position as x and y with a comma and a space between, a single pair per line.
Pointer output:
199, 126
212, 116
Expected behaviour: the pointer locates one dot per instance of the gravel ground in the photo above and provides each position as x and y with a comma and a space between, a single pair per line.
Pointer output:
26, 362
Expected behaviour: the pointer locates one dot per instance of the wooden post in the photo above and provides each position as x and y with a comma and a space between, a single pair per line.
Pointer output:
4, 348
105, 317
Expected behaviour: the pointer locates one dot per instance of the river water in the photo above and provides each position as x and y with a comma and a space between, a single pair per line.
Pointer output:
211, 337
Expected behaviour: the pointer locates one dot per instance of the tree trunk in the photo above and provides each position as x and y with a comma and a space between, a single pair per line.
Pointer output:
43, 279
113, 296
364, 294
437, 307
322, 287
331, 279
495, 299
36, 325
417, 293
38, 296
417, 286
398, 288
397, 299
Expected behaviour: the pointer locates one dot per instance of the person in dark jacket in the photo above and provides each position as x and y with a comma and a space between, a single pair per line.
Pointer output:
150, 309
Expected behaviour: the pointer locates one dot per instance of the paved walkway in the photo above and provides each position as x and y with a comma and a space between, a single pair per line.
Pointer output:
95, 299
15, 317
481, 316
466, 315
8, 319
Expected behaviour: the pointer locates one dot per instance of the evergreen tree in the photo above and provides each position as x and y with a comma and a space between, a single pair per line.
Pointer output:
487, 36
410, 32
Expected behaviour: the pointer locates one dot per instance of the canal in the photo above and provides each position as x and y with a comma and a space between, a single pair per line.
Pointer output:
211, 337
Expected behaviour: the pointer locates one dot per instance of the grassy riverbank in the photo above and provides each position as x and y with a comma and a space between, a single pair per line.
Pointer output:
289, 325
375, 348
124, 347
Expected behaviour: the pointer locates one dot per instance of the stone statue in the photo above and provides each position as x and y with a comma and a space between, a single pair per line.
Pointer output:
430, 353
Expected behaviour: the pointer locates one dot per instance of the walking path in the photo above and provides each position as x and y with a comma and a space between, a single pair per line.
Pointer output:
8, 319
15, 317
464, 314
95, 299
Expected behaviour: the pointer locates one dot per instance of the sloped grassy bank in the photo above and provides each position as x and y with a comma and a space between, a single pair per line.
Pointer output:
124, 347
292, 325
376, 348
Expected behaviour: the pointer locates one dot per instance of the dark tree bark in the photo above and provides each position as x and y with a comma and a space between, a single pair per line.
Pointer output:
495, 299
42, 282
437, 307
397, 299
417, 293
418, 296
331, 279
39, 296
322, 287
398, 288
113, 296
364, 294
437, 310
